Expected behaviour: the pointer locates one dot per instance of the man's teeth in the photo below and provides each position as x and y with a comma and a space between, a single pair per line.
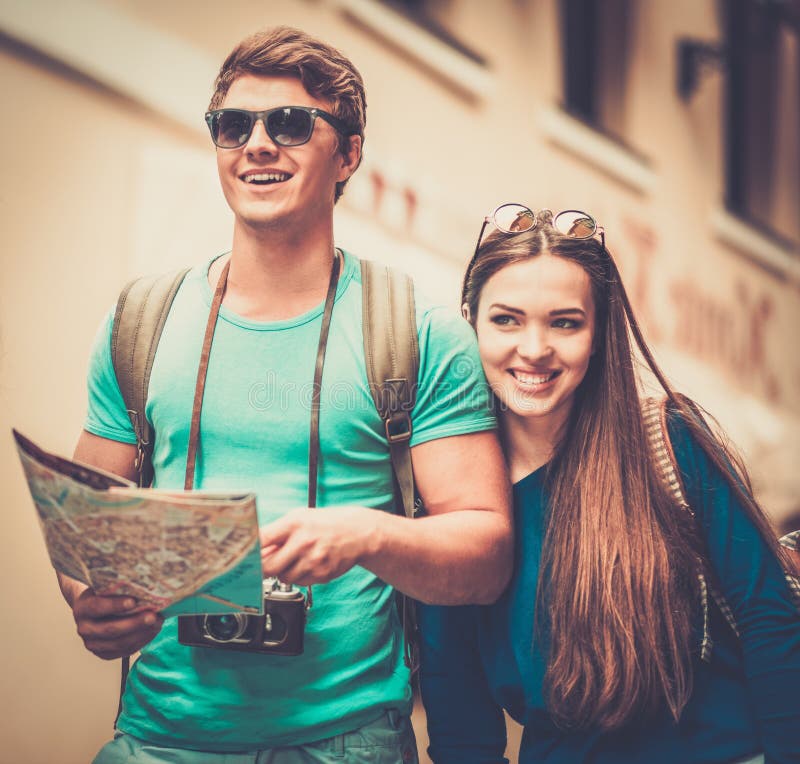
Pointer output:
266, 177
533, 379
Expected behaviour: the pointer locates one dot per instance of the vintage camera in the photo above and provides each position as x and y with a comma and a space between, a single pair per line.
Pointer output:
278, 632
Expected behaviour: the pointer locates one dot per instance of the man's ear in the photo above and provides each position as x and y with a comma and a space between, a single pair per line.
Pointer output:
351, 158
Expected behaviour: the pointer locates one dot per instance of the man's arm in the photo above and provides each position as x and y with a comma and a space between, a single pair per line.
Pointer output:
106, 624
461, 552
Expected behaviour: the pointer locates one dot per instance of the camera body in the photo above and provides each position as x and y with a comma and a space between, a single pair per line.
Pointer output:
278, 632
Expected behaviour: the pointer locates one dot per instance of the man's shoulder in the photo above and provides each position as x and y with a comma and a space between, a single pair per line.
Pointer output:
151, 292
429, 313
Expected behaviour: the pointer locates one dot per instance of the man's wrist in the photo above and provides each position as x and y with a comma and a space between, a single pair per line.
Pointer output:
373, 536
71, 588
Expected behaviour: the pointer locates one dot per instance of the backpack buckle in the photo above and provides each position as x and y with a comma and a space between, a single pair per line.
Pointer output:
398, 427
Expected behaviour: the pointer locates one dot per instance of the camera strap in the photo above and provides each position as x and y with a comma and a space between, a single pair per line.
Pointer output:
202, 373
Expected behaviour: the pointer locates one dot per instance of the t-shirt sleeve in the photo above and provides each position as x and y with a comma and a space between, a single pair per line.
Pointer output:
753, 583
465, 725
452, 393
106, 414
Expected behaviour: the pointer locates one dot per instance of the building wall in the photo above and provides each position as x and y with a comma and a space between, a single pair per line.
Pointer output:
108, 172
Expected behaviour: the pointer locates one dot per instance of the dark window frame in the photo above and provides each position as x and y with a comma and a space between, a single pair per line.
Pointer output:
751, 28
581, 51
414, 11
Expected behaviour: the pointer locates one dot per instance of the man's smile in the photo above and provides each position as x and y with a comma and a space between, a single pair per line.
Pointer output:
263, 178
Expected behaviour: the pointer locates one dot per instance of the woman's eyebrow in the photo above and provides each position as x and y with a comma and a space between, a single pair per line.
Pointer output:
568, 311
507, 308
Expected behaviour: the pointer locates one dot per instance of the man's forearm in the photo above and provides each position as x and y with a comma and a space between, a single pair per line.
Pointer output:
460, 557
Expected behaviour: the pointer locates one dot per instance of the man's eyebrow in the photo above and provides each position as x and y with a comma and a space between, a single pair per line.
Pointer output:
507, 308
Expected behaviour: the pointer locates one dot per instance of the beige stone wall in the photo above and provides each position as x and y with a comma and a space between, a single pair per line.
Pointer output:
100, 182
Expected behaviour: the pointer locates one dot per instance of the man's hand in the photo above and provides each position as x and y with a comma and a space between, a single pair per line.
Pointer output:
109, 627
313, 546
461, 552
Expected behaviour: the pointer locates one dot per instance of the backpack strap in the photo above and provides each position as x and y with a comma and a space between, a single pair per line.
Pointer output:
655, 419
142, 310
791, 542
654, 413
391, 352
139, 319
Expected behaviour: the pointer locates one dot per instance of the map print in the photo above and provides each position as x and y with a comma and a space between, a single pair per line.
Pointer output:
159, 547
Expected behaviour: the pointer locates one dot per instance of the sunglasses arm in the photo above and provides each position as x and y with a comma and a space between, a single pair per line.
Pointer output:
486, 221
474, 258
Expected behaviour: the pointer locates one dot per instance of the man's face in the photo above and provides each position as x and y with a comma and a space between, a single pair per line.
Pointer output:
271, 186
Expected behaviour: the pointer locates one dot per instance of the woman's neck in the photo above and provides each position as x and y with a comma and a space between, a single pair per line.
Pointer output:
529, 442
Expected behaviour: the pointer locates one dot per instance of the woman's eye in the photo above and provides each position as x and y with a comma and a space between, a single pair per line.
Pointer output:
566, 323
502, 319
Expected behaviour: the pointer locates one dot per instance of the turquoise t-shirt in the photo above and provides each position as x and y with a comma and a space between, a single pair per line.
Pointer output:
254, 437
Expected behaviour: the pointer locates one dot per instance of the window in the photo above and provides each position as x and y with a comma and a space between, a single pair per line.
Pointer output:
432, 16
762, 182
596, 38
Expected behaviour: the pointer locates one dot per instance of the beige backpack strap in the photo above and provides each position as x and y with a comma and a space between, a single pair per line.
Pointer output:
142, 310
791, 542
654, 413
391, 351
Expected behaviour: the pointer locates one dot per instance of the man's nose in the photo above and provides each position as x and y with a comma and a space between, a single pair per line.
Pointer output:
259, 141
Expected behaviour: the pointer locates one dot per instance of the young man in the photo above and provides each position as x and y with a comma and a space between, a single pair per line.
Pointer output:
348, 693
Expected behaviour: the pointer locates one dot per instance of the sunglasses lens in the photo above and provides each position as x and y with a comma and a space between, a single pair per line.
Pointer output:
576, 224
290, 127
230, 129
514, 218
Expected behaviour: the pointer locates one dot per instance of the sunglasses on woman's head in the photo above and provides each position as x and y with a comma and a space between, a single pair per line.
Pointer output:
517, 218
285, 125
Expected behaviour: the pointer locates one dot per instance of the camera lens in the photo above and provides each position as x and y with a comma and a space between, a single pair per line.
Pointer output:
224, 628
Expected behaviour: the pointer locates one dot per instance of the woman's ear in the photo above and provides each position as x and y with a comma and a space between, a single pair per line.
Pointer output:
465, 312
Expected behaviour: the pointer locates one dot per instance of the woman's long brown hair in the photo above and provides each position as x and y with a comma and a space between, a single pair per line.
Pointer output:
618, 575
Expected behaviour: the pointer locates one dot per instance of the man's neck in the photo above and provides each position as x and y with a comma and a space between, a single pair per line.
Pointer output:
275, 275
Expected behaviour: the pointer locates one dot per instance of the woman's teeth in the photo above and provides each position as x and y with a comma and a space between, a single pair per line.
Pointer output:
533, 379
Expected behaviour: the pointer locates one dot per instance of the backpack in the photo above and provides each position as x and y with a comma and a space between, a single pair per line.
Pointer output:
654, 413
391, 352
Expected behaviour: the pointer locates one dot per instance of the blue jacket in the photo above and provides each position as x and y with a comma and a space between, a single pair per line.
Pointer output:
477, 661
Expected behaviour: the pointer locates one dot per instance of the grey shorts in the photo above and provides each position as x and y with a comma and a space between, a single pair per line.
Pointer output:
388, 740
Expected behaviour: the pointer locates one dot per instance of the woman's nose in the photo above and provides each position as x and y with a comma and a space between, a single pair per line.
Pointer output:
534, 344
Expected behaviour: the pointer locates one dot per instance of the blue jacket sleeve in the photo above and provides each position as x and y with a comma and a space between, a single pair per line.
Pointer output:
465, 726
753, 583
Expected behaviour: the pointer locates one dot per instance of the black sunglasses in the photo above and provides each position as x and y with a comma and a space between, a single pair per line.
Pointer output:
515, 218
285, 125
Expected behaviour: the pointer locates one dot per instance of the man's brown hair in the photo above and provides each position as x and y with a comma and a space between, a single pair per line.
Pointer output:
323, 70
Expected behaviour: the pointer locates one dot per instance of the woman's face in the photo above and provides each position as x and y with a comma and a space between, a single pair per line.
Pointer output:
535, 327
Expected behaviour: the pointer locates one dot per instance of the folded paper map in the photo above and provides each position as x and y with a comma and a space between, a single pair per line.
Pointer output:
182, 552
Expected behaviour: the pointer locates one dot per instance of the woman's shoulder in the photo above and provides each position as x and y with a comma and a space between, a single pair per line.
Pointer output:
685, 427
679, 433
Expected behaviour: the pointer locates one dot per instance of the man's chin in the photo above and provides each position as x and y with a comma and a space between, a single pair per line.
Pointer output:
263, 221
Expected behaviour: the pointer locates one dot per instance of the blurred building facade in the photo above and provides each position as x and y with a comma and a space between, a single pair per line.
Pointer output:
674, 123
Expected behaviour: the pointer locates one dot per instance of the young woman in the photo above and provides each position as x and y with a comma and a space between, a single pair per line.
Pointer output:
604, 647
